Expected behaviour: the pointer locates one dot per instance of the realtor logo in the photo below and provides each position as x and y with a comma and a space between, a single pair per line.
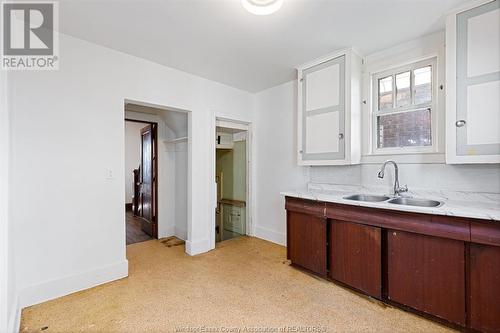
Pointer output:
29, 40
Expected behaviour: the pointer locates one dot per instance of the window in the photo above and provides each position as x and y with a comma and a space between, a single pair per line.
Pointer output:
403, 108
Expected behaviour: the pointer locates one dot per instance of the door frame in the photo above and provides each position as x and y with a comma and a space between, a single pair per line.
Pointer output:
234, 123
155, 171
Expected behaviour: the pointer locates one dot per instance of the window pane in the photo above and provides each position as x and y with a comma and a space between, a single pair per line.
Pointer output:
406, 129
423, 84
403, 91
385, 93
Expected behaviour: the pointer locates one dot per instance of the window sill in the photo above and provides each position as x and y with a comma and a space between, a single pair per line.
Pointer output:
406, 158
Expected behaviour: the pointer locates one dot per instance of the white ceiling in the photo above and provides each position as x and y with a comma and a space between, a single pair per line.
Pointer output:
219, 40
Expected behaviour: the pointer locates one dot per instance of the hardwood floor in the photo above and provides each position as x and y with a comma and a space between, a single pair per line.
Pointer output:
134, 232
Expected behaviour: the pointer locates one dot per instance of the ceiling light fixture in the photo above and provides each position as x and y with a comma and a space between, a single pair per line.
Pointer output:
262, 7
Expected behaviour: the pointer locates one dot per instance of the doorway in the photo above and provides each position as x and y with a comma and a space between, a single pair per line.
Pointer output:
141, 180
231, 175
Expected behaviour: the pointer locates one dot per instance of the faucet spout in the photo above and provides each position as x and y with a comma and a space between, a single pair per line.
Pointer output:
397, 189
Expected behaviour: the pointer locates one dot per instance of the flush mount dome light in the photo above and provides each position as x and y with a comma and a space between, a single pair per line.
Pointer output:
262, 7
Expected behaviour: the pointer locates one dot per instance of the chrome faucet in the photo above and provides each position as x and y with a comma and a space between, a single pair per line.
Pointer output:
397, 189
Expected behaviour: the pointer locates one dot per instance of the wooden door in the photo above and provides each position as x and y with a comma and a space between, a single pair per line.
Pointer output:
427, 273
485, 288
306, 241
147, 180
355, 256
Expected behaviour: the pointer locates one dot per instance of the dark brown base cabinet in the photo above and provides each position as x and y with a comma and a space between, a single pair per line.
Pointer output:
485, 287
304, 250
445, 268
427, 273
355, 256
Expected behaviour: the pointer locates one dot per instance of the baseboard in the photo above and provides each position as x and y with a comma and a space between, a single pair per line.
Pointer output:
70, 284
197, 247
180, 233
14, 323
168, 232
270, 235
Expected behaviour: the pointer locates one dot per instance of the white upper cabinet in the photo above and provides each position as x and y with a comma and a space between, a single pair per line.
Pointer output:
329, 110
473, 84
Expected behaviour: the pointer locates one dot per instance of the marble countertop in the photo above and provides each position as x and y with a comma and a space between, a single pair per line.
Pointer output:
461, 204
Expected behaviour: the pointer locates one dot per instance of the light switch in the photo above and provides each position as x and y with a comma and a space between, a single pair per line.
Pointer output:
110, 174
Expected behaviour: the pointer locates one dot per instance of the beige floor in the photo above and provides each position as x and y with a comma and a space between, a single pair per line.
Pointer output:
245, 282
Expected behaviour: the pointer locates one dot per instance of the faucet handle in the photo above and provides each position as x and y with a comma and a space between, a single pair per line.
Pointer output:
403, 189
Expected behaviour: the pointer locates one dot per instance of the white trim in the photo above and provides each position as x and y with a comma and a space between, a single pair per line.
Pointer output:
323, 59
197, 247
14, 320
421, 158
416, 50
234, 124
466, 6
270, 235
7, 311
241, 124
177, 140
433, 105
56, 288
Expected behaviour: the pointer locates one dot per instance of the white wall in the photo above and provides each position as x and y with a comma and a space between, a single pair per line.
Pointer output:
426, 171
68, 218
132, 155
276, 161
440, 177
276, 149
181, 195
8, 300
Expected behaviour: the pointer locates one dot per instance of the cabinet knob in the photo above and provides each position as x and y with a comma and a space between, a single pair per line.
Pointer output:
341, 136
460, 123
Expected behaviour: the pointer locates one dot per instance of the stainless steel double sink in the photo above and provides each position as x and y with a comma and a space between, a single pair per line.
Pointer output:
395, 201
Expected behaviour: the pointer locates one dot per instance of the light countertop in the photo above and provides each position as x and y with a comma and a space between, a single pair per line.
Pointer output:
469, 205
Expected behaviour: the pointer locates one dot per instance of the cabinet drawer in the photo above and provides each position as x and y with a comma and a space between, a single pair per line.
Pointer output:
440, 226
487, 232
312, 207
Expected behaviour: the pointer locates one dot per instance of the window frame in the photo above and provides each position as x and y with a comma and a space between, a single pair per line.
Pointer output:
432, 105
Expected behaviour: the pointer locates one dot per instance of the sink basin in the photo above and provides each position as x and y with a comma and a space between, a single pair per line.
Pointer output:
415, 202
367, 197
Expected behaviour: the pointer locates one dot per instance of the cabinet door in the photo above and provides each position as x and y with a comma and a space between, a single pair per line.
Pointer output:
356, 256
306, 241
485, 288
427, 273
323, 111
478, 81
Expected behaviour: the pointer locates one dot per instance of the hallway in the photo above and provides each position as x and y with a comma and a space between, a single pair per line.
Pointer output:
134, 232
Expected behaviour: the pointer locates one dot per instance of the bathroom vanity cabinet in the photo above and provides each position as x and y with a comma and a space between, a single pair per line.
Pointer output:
445, 268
